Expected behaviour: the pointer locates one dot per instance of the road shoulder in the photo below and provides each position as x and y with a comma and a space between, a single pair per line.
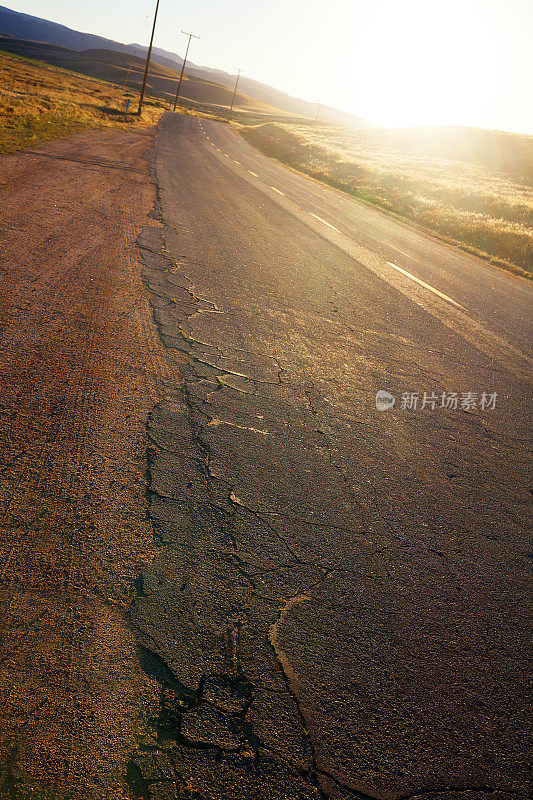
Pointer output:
81, 365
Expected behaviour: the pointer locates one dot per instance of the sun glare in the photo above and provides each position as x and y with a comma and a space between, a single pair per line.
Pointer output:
427, 64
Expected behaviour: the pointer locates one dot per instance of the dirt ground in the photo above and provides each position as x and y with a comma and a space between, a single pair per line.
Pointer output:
80, 367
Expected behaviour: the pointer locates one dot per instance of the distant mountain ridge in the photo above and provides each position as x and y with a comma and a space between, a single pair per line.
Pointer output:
25, 26
14, 24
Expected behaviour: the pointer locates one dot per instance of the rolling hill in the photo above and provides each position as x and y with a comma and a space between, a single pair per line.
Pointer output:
124, 69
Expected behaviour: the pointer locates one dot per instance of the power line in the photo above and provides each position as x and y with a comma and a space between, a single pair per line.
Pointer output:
191, 36
319, 106
145, 77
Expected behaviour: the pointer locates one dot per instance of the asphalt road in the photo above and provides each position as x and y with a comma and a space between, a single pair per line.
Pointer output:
339, 608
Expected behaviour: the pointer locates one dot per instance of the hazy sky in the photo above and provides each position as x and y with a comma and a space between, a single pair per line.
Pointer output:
394, 62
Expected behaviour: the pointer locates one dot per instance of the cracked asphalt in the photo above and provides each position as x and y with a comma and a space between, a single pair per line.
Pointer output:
339, 605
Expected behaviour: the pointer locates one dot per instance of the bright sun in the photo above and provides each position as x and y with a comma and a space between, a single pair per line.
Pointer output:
426, 63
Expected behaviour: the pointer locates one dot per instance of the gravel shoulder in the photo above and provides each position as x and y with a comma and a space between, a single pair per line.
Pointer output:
81, 365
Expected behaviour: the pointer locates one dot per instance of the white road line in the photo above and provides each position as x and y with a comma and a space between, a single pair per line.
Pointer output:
277, 190
253, 173
333, 228
425, 285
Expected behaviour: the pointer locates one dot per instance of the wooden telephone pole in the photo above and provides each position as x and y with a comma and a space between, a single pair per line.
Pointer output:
234, 93
191, 36
148, 55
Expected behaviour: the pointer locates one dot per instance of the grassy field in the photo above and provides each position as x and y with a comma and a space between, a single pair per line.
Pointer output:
471, 187
39, 102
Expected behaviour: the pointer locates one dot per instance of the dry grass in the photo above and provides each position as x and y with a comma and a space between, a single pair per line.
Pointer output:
474, 188
39, 102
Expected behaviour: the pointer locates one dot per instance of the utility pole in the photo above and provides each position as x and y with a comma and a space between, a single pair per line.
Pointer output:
234, 92
319, 106
145, 77
191, 36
